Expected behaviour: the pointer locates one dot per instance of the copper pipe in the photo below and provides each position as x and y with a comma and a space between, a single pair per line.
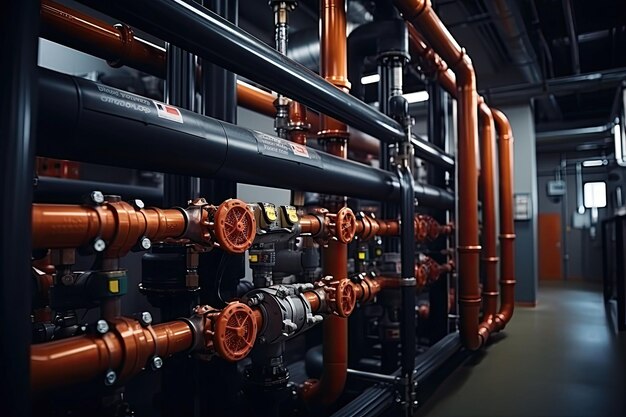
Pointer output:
314, 299
334, 68
507, 226
68, 226
489, 258
125, 350
298, 125
114, 43
424, 19
255, 99
310, 223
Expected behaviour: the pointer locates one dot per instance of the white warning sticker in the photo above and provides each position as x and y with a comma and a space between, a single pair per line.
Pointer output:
299, 150
165, 111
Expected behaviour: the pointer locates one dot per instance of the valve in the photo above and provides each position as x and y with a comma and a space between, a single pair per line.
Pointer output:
342, 225
230, 332
341, 295
230, 226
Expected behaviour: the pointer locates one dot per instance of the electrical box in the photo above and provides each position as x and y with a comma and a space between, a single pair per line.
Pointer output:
523, 207
556, 188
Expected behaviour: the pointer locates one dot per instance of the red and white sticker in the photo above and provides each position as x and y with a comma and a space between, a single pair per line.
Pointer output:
165, 111
299, 150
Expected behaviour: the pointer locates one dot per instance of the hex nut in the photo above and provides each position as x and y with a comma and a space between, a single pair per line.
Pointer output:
102, 326
110, 378
97, 197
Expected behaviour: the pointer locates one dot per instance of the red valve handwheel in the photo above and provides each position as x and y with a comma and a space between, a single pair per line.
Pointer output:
345, 298
235, 227
235, 332
345, 225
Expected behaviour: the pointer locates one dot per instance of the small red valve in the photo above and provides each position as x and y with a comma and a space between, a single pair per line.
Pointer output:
345, 225
341, 295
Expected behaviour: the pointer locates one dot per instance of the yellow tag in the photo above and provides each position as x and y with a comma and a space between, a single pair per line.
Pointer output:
254, 258
114, 286
270, 212
292, 214
361, 256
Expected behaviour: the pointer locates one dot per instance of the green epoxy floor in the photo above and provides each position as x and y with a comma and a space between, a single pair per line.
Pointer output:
562, 358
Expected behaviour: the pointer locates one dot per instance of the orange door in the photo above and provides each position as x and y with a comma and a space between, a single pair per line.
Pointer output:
550, 257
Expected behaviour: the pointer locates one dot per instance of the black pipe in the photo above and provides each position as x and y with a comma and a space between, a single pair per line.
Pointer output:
432, 153
130, 133
212, 37
377, 400
408, 283
19, 26
65, 191
438, 293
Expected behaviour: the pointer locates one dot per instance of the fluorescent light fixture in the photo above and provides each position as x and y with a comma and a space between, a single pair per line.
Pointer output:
594, 163
370, 79
595, 194
416, 97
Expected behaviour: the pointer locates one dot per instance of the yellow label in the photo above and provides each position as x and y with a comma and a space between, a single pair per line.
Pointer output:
254, 258
361, 255
114, 286
270, 212
292, 214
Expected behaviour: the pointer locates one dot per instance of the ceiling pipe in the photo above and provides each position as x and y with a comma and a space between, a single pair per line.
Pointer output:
573, 39
510, 24
421, 14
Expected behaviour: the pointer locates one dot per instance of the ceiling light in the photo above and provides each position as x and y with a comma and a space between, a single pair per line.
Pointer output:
370, 79
594, 163
416, 97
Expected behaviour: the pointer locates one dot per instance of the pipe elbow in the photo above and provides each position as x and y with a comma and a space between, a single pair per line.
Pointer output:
502, 125
411, 9
464, 70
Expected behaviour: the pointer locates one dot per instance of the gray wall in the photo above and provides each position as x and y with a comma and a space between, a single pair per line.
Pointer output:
525, 171
581, 249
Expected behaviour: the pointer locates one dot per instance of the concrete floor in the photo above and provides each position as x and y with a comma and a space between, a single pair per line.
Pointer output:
562, 358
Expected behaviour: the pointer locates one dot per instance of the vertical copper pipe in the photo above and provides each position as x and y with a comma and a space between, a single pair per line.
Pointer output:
334, 68
424, 19
489, 258
298, 123
507, 226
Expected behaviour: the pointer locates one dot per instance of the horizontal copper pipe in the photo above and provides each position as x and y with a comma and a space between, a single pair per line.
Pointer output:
426, 228
126, 350
310, 223
114, 43
69, 226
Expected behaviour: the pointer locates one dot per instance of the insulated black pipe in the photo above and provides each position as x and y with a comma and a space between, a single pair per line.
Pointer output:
85, 121
66, 191
408, 284
204, 33
438, 293
19, 26
430, 152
